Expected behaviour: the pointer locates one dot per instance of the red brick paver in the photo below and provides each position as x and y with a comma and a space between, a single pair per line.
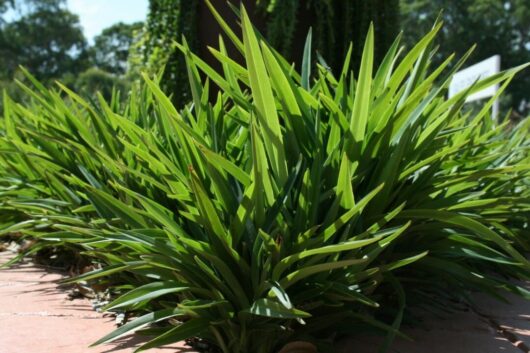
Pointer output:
36, 316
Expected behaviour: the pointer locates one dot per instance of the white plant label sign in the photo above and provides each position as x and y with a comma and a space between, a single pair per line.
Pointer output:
465, 78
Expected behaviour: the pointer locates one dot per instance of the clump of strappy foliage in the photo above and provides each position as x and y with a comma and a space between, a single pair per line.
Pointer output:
290, 206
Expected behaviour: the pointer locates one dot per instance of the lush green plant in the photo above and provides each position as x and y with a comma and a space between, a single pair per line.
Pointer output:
292, 206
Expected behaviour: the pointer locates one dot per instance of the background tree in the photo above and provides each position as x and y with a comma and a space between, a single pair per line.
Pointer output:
111, 65
167, 21
496, 26
46, 39
96, 80
284, 23
111, 48
335, 24
4, 5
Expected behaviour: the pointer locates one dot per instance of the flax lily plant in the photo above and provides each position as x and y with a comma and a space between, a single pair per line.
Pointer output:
290, 206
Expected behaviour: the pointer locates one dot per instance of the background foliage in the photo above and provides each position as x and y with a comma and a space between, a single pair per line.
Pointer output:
497, 27
47, 39
168, 21
110, 51
284, 23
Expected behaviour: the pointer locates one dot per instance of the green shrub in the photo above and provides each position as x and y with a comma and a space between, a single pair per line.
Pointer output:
292, 206
96, 80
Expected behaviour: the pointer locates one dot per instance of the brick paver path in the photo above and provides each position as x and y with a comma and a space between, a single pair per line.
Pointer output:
36, 316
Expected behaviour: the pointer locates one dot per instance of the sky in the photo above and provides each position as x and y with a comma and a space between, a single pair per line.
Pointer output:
96, 15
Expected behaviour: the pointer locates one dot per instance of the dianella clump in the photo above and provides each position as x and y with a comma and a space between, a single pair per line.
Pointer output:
280, 204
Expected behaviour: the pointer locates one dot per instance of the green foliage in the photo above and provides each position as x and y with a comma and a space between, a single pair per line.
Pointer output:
95, 80
46, 39
335, 24
4, 6
290, 207
135, 60
111, 48
170, 20
284, 23
281, 24
497, 27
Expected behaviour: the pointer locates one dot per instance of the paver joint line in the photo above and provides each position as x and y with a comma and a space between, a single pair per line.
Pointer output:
46, 314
